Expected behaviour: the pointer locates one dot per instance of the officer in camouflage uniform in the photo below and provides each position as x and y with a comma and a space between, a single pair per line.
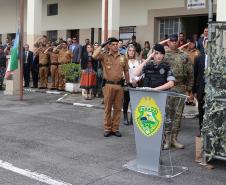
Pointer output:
183, 72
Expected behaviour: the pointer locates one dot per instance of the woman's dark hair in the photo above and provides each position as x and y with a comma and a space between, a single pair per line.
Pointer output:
148, 43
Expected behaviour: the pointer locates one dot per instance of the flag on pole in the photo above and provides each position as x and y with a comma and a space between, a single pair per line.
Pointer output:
14, 55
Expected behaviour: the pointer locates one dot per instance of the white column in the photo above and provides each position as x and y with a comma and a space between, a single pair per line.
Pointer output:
221, 13
221, 16
113, 18
34, 21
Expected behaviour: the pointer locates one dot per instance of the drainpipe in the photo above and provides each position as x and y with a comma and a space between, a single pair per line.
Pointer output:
21, 32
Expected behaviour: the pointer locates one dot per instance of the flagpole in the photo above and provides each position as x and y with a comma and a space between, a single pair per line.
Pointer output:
21, 33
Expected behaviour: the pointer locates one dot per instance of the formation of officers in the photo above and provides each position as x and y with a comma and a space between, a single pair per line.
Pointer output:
167, 66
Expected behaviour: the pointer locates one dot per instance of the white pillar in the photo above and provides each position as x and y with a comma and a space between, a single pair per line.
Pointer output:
113, 18
221, 16
34, 21
221, 13
13, 84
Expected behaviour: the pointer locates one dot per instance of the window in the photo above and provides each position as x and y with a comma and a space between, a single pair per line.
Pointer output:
52, 9
125, 33
52, 35
11, 36
168, 26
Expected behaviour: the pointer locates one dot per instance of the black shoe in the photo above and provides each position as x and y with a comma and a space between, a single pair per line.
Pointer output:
131, 120
125, 119
107, 134
117, 134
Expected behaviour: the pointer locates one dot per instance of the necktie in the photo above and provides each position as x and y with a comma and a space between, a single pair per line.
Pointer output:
205, 39
26, 54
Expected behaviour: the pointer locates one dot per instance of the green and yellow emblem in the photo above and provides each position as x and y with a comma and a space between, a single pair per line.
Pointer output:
148, 116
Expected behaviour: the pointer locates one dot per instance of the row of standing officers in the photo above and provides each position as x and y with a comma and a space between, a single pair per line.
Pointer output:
173, 68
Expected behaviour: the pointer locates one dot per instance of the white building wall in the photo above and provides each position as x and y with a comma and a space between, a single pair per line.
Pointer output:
86, 14
134, 13
9, 11
72, 14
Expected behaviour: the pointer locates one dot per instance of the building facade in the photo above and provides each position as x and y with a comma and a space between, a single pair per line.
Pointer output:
147, 19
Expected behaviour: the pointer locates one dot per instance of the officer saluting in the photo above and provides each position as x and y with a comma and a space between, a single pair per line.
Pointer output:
157, 73
114, 67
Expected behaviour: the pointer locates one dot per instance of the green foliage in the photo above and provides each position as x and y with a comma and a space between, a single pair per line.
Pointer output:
215, 114
71, 72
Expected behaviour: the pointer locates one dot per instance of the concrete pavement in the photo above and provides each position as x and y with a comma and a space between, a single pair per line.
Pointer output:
66, 143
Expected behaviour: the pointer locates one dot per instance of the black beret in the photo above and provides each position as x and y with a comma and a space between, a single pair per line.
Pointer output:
159, 48
173, 37
113, 39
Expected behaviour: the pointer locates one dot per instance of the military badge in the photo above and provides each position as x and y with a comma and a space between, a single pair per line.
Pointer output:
148, 116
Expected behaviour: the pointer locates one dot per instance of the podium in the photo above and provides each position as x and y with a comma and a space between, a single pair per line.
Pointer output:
148, 112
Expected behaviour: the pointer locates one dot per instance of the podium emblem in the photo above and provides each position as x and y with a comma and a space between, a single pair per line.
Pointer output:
148, 116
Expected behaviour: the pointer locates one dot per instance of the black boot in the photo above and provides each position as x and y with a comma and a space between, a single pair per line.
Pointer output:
131, 120
125, 119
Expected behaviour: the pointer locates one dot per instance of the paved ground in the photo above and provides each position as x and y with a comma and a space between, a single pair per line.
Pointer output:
66, 143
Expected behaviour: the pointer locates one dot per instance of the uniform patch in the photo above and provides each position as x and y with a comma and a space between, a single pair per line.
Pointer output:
162, 71
148, 116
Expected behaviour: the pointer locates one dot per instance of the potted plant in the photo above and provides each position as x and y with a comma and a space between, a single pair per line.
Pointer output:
72, 73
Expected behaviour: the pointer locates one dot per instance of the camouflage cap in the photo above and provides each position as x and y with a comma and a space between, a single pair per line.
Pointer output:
173, 37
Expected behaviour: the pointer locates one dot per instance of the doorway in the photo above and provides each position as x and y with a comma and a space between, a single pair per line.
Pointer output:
73, 33
194, 25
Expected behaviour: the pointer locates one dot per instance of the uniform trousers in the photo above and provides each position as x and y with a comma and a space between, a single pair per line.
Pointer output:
126, 101
113, 97
43, 74
54, 76
174, 111
201, 110
61, 80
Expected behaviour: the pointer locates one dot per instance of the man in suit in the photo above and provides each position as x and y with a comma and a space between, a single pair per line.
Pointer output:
76, 49
203, 40
199, 84
28, 59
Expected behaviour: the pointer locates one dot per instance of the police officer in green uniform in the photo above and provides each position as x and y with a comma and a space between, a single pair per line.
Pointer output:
183, 71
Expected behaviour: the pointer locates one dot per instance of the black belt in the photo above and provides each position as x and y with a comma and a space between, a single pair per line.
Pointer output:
121, 82
43, 65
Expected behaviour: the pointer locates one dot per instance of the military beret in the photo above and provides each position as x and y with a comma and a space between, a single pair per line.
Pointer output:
159, 48
113, 39
173, 37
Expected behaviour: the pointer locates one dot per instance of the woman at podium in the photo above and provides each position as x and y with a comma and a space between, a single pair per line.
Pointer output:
157, 74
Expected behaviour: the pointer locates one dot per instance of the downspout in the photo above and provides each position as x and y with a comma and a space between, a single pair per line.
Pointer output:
106, 20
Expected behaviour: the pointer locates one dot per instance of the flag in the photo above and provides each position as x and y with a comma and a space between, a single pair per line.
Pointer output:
14, 55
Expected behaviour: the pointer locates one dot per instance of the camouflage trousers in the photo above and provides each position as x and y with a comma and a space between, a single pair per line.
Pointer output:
174, 111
